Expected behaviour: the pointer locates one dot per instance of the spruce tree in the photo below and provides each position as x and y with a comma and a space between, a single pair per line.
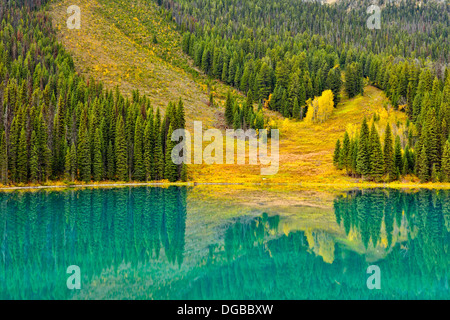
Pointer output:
84, 155
170, 169
148, 151
139, 167
3, 158
445, 164
67, 165
363, 156
345, 159
229, 112
337, 153
389, 162
158, 156
376, 155
97, 161
422, 165
34, 158
110, 161
296, 109
22, 158
398, 155
121, 151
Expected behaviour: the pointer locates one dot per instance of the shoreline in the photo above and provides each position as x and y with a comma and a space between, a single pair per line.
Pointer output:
338, 185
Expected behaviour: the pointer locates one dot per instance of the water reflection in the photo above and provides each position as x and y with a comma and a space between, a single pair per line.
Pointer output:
405, 234
134, 243
42, 233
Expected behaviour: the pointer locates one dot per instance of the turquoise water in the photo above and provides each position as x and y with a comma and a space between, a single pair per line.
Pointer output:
159, 243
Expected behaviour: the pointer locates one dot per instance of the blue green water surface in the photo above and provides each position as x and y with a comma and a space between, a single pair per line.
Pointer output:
152, 243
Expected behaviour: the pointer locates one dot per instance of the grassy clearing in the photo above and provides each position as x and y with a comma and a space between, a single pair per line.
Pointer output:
306, 150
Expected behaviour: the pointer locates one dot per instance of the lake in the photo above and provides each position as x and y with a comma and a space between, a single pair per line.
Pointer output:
211, 242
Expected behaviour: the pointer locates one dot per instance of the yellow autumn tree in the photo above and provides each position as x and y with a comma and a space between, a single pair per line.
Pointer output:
321, 108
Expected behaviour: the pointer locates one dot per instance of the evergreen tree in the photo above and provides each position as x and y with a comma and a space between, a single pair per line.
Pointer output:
84, 155
139, 167
170, 170
389, 162
110, 161
3, 159
121, 151
422, 163
398, 155
158, 156
34, 158
363, 156
149, 142
345, 157
376, 155
97, 161
445, 164
337, 153
296, 109
22, 158
229, 112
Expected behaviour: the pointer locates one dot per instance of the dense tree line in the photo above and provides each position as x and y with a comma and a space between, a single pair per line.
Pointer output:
366, 156
56, 125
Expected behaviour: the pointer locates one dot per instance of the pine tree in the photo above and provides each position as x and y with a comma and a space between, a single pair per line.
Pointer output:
3, 158
139, 167
423, 170
34, 158
389, 162
345, 160
263, 82
337, 153
398, 155
445, 164
430, 139
181, 122
170, 170
237, 120
148, 151
67, 165
249, 100
97, 161
121, 151
376, 155
296, 109
363, 156
84, 155
334, 82
110, 161
229, 112
22, 158
158, 156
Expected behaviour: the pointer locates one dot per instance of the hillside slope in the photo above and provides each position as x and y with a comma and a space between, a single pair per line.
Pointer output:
115, 45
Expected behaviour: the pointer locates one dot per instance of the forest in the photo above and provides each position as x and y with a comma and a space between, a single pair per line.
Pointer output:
57, 125
287, 56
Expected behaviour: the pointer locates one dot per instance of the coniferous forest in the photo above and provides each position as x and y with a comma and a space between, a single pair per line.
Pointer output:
58, 126
281, 55
285, 54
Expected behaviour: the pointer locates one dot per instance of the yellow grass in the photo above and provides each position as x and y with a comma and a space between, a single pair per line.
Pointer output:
306, 150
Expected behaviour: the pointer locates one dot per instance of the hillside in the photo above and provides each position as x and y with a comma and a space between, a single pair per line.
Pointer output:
115, 45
